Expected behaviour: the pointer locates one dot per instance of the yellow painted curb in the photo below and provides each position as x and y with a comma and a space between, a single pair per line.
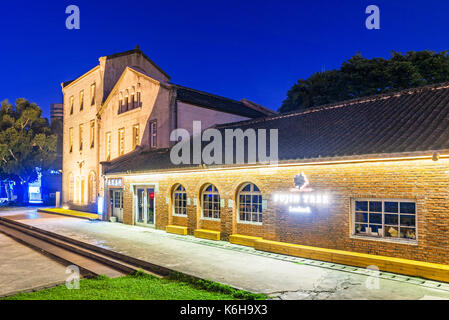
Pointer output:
428, 270
243, 240
176, 229
207, 234
71, 213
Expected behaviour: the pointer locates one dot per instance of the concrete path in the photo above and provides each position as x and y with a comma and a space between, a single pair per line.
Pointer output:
22, 268
282, 279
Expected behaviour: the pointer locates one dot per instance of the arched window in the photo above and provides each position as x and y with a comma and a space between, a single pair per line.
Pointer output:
126, 100
250, 204
138, 97
71, 187
92, 187
77, 193
132, 98
211, 202
179, 201
120, 103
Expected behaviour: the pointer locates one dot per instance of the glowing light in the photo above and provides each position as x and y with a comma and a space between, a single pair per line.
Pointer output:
301, 198
65, 207
100, 206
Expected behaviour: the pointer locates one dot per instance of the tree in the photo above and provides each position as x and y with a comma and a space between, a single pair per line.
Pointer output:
361, 77
27, 144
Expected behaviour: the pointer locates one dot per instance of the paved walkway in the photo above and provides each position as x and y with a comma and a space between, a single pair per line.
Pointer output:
237, 266
22, 268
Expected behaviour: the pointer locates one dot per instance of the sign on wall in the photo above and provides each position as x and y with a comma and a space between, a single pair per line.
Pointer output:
302, 198
115, 182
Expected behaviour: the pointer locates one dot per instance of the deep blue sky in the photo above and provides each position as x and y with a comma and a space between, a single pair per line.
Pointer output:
238, 49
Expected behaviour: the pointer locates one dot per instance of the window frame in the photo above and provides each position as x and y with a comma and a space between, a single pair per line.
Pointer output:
70, 139
153, 135
92, 133
108, 146
119, 132
383, 238
81, 97
93, 90
174, 206
204, 192
250, 193
136, 135
71, 103
80, 136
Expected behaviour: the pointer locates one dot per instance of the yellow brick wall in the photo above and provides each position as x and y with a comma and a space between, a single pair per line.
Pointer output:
425, 181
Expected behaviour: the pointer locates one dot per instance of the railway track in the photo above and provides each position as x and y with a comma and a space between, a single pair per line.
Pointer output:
90, 259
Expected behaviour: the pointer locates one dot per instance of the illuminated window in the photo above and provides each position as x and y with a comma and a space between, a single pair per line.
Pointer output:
120, 103
70, 139
81, 100
126, 107
121, 142
138, 96
108, 146
91, 187
132, 99
136, 135
211, 202
179, 201
250, 204
153, 133
71, 104
92, 94
81, 137
71, 187
92, 133
389, 219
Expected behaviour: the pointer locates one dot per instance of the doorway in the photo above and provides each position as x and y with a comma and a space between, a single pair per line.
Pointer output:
145, 206
117, 204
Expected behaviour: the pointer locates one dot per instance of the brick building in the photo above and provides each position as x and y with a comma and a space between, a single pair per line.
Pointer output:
128, 102
369, 175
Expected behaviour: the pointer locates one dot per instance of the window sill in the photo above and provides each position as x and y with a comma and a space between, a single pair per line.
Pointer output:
211, 219
129, 111
180, 215
249, 222
395, 241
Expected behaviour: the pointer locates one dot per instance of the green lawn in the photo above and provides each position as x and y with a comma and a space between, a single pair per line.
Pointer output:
141, 286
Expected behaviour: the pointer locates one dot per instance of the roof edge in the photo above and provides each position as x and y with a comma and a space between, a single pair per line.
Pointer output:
367, 158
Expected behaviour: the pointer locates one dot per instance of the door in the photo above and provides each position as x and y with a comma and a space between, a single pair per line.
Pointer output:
150, 206
82, 190
117, 204
145, 210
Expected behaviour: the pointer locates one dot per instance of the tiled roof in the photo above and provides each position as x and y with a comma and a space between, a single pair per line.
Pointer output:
409, 121
219, 103
137, 50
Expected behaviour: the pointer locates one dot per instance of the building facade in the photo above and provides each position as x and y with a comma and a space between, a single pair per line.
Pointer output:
366, 176
128, 102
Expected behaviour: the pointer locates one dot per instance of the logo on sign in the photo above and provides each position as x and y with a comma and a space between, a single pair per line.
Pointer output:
301, 198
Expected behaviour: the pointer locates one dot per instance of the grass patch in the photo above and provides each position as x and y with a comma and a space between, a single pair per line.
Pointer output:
140, 286
216, 287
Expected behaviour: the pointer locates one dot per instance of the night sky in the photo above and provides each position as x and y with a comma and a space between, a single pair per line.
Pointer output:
238, 49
